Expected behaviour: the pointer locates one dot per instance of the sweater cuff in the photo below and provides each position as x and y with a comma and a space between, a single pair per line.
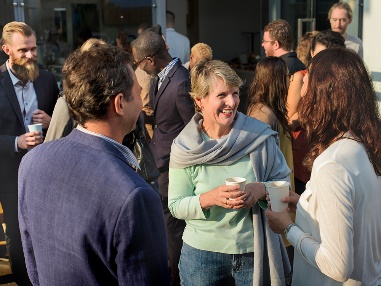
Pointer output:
294, 235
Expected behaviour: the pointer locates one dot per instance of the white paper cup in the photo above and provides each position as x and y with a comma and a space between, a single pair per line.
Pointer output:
241, 182
278, 190
237, 181
35, 127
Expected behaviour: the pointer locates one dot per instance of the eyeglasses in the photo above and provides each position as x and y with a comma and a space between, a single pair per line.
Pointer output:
139, 62
263, 41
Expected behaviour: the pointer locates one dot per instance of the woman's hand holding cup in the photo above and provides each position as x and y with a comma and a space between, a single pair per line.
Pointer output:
226, 196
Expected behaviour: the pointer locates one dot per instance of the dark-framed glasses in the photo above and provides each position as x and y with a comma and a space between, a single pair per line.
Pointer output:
264, 41
137, 63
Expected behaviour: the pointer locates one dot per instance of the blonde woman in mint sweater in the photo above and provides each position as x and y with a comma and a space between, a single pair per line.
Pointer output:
224, 225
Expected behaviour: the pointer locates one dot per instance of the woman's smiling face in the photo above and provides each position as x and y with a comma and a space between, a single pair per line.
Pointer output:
219, 107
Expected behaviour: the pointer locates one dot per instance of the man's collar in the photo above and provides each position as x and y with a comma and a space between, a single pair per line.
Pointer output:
282, 52
126, 152
290, 54
165, 71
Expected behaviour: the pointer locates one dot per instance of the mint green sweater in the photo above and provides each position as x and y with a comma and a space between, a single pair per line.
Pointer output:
217, 229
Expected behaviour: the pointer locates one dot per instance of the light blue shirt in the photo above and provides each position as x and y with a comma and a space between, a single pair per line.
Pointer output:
27, 98
128, 155
179, 45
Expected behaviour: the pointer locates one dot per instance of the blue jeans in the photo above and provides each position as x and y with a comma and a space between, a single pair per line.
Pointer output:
206, 268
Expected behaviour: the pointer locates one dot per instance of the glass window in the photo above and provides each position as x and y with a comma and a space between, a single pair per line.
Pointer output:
62, 26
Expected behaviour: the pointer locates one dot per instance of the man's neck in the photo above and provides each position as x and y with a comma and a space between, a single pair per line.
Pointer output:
105, 128
162, 63
280, 52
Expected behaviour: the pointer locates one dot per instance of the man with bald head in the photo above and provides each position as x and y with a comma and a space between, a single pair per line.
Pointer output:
173, 109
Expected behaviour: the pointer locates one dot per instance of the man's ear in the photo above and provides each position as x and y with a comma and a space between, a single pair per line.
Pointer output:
276, 44
5, 49
119, 103
151, 61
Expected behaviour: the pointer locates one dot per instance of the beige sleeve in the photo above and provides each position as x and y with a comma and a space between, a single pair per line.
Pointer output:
59, 120
144, 81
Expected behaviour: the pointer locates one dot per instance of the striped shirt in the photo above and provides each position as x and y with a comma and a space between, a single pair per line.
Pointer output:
127, 154
163, 74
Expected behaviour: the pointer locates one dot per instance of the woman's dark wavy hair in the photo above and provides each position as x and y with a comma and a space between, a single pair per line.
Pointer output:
340, 98
269, 87
328, 38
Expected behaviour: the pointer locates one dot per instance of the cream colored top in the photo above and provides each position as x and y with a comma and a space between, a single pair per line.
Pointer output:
337, 239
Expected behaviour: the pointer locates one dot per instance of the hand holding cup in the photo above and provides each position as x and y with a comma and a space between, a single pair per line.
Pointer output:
278, 190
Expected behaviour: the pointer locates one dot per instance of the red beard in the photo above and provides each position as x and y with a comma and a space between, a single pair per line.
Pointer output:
25, 69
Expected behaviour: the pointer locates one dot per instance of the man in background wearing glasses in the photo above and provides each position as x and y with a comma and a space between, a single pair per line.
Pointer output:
278, 41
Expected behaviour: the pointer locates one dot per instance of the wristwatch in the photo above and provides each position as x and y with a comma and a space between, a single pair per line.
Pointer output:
287, 229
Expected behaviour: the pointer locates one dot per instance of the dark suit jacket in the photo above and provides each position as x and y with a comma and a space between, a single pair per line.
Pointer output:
173, 109
87, 218
11, 122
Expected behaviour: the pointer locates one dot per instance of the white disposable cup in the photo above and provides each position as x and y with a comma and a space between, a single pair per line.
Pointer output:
237, 181
241, 182
278, 190
35, 127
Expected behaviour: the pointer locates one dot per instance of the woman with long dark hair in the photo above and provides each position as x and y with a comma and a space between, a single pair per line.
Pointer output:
268, 102
268, 94
337, 232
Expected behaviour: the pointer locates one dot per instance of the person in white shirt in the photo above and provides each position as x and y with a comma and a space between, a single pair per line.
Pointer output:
340, 16
179, 45
337, 231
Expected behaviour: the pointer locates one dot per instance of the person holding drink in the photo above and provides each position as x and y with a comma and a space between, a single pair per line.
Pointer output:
224, 224
337, 232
